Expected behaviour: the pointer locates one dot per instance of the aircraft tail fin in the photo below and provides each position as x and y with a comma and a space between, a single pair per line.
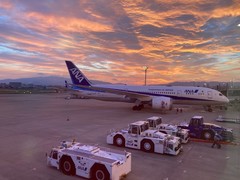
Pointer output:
76, 75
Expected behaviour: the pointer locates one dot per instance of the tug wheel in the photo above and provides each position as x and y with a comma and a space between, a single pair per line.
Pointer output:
208, 135
99, 172
147, 146
67, 166
119, 141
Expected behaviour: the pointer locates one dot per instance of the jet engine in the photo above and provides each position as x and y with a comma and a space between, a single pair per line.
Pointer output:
163, 103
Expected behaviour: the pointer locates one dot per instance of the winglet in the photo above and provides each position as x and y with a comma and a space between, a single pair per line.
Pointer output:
76, 75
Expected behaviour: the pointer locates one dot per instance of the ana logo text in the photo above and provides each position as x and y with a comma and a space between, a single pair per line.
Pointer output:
77, 74
187, 91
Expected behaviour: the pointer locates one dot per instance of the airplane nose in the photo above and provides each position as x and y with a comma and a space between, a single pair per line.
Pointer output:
226, 100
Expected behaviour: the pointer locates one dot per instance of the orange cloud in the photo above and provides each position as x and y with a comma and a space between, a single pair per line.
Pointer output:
177, 40
68, 24
6, 5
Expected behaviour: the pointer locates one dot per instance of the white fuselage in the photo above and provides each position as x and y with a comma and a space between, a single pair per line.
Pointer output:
102, 96
178, 94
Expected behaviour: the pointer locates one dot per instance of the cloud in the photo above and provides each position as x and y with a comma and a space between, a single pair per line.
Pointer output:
113, 40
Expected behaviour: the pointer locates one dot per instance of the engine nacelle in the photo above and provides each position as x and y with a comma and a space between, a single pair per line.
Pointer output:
163, 103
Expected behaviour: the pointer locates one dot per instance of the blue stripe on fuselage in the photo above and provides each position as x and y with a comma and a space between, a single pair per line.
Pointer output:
144, 93
164, 95
85, 89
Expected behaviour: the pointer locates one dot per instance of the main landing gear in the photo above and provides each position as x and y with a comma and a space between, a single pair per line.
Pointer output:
138, 107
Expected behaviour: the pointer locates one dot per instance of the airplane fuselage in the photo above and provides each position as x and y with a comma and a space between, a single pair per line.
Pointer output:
178, 94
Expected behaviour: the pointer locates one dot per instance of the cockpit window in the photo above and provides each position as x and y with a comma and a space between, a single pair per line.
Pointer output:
220, 94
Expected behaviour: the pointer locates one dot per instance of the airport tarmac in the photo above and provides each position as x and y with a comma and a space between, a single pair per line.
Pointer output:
30, 125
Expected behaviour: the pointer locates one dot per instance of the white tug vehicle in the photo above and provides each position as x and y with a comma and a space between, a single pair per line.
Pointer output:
156, 124
88, 161
139, 136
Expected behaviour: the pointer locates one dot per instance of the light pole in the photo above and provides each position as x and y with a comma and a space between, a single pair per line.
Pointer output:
145, 70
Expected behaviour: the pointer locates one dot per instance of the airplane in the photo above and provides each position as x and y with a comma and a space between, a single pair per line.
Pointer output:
158, 97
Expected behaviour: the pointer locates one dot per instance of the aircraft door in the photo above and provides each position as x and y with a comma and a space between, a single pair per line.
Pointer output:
179, 92
209, 94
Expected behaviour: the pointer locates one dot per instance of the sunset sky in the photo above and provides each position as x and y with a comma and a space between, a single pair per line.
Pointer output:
111, 40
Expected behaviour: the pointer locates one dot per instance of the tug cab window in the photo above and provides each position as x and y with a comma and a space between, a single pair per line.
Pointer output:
135, 130
151, 123
54, 154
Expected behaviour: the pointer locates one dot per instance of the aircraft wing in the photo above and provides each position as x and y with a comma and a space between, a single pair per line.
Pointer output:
134, 95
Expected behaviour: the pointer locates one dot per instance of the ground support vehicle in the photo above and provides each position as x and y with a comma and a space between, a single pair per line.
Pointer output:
156, 124
139, 136
228, 120
89, 161
198, 129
